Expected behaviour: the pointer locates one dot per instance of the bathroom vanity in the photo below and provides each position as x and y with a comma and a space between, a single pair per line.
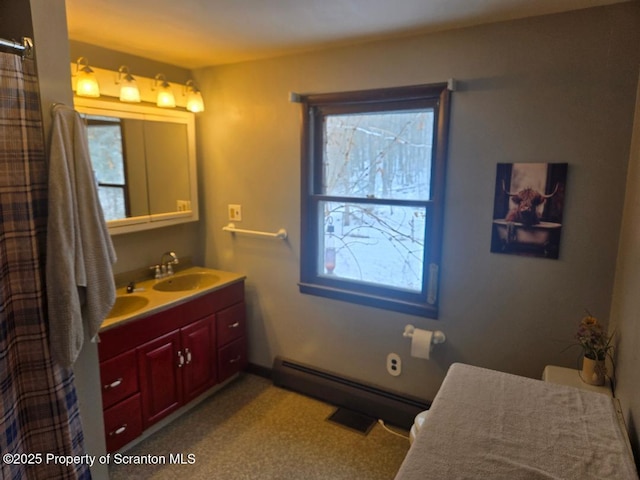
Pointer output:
188, 337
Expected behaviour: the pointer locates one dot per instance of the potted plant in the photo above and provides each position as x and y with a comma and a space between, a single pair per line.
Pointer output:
596, 346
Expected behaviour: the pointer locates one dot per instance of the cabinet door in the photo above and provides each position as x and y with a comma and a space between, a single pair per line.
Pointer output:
160, 365
198, 345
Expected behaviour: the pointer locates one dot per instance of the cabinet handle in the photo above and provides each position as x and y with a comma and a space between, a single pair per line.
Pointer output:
234, 325
188, 352
180, 359
237, 359
118, 430
113, 384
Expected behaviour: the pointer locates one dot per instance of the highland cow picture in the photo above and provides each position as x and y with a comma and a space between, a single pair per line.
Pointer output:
527, 209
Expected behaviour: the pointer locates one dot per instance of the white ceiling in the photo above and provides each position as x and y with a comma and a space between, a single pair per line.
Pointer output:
198, 33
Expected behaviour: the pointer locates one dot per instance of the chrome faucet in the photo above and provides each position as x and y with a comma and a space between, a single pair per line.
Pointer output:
167, 267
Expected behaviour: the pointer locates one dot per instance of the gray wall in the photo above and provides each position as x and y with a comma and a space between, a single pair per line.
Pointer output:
558, 88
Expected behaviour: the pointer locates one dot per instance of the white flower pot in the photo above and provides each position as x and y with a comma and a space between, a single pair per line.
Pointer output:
593, 371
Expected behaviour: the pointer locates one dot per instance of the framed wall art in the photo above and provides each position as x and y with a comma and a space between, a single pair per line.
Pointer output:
528, 208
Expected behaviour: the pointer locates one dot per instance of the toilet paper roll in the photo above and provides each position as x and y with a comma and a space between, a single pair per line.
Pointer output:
421, 343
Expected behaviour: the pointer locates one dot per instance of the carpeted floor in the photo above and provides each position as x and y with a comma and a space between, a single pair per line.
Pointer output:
253, 430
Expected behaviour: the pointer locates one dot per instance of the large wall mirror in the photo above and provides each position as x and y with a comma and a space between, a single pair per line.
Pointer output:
144, 163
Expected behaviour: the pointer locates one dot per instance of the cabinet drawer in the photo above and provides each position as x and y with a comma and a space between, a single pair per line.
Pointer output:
230, 323
122, 423
198, 307
232, 358
119, 378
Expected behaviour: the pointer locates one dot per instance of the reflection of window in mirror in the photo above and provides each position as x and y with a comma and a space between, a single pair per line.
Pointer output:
109, 165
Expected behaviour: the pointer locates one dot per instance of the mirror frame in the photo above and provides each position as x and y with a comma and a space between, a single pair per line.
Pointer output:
128, 110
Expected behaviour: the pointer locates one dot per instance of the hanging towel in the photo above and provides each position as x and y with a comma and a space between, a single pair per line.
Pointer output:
79, 276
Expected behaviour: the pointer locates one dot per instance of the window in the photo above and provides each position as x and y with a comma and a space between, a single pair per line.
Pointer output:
373, 165
107, 158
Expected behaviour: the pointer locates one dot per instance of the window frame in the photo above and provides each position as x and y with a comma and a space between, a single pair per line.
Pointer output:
89, 122
315, 107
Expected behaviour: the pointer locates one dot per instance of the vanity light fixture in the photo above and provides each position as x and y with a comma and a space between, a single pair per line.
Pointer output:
165, 96
86, 81
128, 88
194, 97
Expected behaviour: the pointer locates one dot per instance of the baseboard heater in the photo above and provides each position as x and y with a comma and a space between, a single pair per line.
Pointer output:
393, 408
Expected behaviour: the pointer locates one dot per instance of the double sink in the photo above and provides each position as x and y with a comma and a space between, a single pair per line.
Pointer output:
153, 295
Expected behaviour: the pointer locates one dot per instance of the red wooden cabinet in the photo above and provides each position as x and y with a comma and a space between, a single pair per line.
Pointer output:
119, 377
232, 358
120, 400
122, 423
231, 323
160, 377
176, 368
199, 349
232, 340
152, 366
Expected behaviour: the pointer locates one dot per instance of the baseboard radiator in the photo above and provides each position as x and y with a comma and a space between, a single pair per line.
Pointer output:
393, 408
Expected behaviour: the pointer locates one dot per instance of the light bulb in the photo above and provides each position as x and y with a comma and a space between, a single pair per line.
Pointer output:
194, 101
86, 83
128, 87
165, 98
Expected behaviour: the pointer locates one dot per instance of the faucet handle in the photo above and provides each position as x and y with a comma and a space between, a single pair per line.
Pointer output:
157, 271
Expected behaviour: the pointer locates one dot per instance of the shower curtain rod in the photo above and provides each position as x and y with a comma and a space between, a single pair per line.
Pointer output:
25, 47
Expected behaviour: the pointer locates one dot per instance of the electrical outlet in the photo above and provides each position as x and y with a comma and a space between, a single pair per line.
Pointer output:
394, 364
235, 213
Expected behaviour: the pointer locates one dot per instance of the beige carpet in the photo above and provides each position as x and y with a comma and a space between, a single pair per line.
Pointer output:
253, 430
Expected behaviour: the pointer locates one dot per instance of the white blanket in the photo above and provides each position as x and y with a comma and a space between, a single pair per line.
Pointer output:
485, 424
79, 276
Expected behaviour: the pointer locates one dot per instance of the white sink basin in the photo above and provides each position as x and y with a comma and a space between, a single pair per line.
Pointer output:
189, 281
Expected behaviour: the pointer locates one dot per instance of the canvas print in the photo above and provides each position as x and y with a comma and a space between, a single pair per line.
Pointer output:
528, 207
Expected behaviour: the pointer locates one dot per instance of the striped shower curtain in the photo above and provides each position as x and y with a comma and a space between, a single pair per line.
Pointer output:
39, 419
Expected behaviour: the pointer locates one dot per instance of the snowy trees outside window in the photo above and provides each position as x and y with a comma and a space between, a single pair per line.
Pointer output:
107, 158
373, 180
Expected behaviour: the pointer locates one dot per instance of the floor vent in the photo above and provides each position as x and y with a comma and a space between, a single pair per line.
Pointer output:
352, 420
369, 400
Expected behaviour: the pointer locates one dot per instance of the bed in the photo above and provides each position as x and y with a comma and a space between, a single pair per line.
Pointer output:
493, 425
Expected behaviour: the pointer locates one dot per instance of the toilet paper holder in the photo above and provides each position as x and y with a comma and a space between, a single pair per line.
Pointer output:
438, 336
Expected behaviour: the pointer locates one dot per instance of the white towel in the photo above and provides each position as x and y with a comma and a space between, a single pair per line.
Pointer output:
79, 277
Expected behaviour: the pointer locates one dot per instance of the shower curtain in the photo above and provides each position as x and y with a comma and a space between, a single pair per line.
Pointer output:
39, 418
